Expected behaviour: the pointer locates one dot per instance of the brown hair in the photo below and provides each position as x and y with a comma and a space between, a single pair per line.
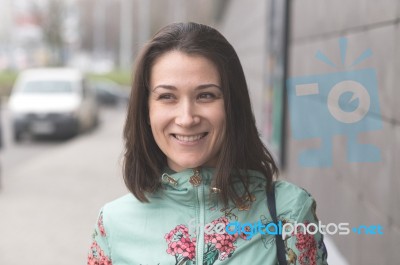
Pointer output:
242, 147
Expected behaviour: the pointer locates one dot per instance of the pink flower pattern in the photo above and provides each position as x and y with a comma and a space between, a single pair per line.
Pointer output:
97, 257
101, 226
96, 254
307, 246
180, 244
223, 243
183, 246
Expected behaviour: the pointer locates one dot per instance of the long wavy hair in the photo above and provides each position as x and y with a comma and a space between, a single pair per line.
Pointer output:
242, 147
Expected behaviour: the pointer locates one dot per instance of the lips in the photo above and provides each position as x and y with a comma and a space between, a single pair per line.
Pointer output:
189, 138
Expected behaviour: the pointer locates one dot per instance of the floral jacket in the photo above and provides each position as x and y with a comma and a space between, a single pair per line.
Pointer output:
185, 224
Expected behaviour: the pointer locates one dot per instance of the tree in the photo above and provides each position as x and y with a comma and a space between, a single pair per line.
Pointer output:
53, 30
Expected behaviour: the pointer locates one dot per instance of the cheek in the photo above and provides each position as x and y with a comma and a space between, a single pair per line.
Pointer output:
156, 123
154, 120
222, 130
159, 121
219, 124
220, 118
154, 114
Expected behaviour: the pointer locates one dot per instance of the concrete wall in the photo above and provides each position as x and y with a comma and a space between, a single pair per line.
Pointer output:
244, 25
358, 193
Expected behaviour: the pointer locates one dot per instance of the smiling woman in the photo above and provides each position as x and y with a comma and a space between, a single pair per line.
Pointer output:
186, 107
193, 156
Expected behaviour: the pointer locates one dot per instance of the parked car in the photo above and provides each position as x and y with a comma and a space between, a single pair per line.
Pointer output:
1, 129
110, 93
1, 142
52, 101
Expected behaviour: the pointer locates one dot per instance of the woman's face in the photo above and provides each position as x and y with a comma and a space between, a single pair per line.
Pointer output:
186, 109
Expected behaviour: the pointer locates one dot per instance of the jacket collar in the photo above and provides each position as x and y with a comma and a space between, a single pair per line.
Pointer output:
176, 186
182, 179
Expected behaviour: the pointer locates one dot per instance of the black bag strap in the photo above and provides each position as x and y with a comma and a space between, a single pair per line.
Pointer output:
278, 238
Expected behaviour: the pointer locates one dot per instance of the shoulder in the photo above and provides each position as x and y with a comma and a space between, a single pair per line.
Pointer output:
292, 200
120, 206
290, 190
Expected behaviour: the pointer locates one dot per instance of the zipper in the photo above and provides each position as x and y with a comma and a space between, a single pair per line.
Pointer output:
195, 180
200, 215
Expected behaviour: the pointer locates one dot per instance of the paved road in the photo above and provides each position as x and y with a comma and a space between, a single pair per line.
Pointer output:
51, 196
12, 154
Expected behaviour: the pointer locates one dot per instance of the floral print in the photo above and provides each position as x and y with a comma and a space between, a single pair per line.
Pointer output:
101, 226
180, 244
97, 256
220, 245
217, 246
176, 243
307, 250
322, 248
307, 246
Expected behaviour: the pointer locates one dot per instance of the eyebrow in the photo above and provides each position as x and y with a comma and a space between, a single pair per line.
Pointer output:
200, 87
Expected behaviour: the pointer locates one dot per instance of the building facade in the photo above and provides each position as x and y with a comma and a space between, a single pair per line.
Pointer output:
349, 165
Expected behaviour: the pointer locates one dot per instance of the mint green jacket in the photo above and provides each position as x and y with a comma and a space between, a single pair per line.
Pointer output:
184, 223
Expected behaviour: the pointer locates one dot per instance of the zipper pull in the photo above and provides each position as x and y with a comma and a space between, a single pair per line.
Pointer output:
169, 180
215, 190
195, 180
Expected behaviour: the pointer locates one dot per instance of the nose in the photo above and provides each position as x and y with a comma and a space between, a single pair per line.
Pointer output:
187, 114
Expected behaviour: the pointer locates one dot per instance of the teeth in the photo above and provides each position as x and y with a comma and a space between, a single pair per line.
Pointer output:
191, 138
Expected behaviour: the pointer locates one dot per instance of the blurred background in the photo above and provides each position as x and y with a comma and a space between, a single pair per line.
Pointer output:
61, 132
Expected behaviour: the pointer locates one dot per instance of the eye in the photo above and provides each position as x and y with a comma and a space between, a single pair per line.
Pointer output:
166, 97
206, 96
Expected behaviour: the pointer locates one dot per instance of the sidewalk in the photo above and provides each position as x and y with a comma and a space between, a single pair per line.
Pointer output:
334, 256
49, 205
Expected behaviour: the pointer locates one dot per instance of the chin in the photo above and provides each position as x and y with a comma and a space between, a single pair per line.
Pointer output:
181, 165
190, 165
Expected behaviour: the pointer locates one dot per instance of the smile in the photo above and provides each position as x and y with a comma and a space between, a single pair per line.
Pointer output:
189, 138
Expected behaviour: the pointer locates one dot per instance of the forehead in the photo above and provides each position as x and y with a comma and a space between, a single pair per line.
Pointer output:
179, 67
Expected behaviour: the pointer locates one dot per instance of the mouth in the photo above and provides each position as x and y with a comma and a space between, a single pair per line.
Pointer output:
189, 138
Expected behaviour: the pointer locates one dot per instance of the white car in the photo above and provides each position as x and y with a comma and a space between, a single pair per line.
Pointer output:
52, 101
